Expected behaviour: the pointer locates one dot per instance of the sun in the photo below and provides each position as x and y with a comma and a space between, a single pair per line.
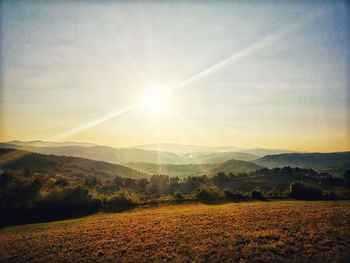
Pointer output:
155, 99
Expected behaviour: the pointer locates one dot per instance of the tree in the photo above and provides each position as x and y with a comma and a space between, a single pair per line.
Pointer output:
256, 194
209, 191
300, 190
347, 178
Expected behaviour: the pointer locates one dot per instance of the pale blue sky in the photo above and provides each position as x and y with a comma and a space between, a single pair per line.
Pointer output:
69, 63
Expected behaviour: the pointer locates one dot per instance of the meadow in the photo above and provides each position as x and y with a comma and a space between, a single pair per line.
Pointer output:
274, 231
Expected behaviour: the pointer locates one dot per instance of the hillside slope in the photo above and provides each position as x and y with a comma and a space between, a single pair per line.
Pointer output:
104, 153
221, 157
66, 166
180, 170
236, 166
318, 161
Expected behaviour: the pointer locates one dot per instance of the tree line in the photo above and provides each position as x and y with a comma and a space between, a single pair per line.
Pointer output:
27, 196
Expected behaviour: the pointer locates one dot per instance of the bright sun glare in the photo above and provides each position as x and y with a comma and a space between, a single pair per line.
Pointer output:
155, 99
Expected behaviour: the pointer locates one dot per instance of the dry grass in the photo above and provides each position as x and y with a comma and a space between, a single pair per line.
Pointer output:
288, 231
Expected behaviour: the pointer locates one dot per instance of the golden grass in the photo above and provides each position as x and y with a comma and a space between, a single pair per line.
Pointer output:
281, 231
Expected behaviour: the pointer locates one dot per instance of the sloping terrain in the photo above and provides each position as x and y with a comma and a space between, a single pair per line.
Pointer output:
104, 153
66, 166
183, 170
221, 157
236, 166
317, 161
194, 149
180, 170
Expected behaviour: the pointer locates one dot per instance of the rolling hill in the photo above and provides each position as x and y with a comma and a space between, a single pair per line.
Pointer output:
125, 155
104, 153
180, 170
183, 170
196, 149
338, 161
221, 157
236, 166
65, 166
39, 143
185, 149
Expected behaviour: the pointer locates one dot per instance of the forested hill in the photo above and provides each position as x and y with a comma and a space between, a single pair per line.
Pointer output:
67, 166
318, 161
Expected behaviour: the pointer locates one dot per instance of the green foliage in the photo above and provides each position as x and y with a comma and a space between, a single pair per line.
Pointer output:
36, 198
234, 196
122, 200
257, 194
90, 181
347, 178
301, 190
178, 196
208, 191
68, 199
61, 182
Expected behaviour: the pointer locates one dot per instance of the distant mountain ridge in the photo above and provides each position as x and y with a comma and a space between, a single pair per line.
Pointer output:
104, 153
335, 163
38, 143
220, 157
184, 149
154, 153
187, 149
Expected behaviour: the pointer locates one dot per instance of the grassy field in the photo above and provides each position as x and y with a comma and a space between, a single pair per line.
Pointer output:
278, 231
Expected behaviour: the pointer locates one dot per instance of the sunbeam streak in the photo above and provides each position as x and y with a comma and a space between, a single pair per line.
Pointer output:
117, 39
265, 42
89, 125
17, 154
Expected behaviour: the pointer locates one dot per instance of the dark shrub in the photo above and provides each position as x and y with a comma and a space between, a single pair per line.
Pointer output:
76, 199
221, 179
90, 182
275, 193
123, 199
300, 190
61, 182
208, 191
178, 196
256, 194
331, 196
347, 178
234, 196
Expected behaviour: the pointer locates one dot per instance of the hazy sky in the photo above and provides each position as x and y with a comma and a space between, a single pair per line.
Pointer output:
259, 74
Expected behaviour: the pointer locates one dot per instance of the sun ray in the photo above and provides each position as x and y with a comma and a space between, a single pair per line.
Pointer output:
123, 47
249, 50
94, 123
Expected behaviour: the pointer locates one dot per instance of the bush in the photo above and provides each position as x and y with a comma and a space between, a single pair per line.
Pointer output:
256, 194
178, 196
122, 200
331, 196
234, 196
275, 193
24, 201
208, 191
347, 178
300, 190
76, 199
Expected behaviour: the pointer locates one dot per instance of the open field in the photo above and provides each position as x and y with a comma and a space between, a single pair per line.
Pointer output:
277, 231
